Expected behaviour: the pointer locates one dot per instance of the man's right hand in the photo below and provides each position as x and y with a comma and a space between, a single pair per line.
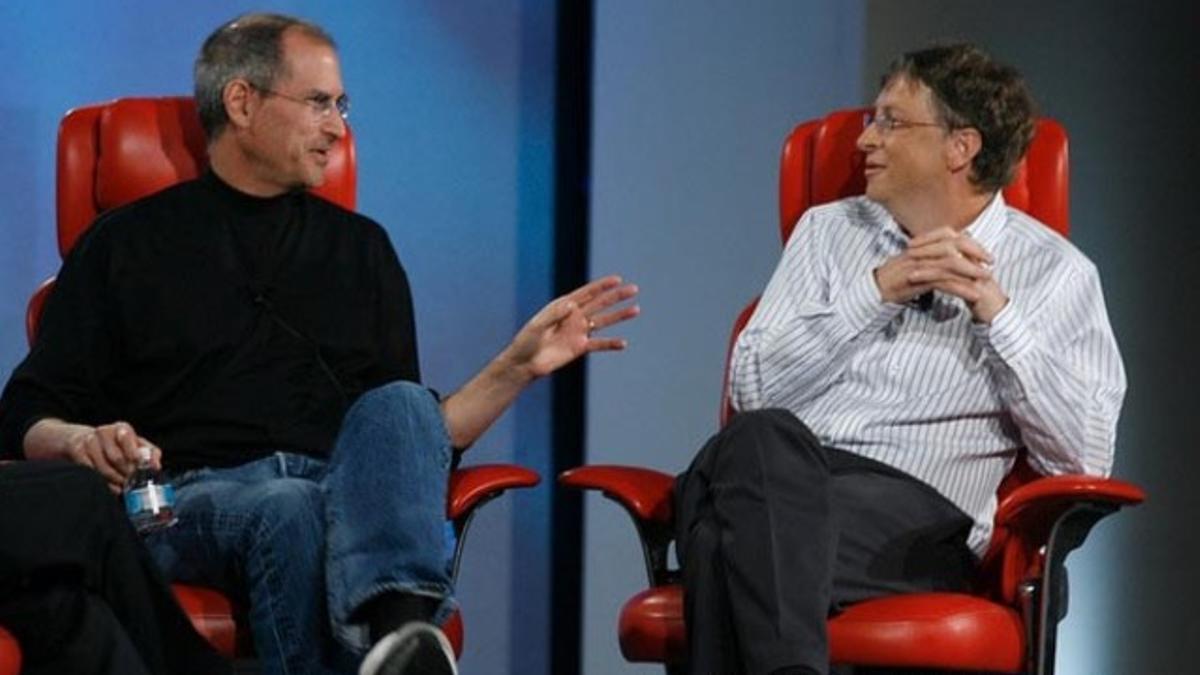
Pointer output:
931, 261
110, 449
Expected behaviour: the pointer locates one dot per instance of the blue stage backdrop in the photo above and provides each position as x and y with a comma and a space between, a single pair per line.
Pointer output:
453, 113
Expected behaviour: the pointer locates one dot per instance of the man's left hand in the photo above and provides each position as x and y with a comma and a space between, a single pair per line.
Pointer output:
564, 329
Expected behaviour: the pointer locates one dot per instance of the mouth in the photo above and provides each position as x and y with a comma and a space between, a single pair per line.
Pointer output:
322, 155
872, 168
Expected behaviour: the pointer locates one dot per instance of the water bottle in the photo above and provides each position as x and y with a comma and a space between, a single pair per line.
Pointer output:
149, 500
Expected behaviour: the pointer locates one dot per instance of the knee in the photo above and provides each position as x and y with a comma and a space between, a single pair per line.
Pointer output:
766, 440
63, 476
395, 416
289, 507
765, 420
392, 397
78, 491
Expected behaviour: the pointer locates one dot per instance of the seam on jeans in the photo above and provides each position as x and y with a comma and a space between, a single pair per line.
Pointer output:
271, 582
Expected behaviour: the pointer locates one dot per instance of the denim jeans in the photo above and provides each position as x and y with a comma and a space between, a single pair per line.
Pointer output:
307, 542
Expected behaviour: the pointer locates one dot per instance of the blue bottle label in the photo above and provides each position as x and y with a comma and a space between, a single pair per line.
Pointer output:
150, 498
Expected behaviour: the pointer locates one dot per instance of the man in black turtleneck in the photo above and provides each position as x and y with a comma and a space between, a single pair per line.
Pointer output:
207, 303
260, 340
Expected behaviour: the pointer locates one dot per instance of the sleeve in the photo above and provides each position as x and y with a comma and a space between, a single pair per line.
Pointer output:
397, 334
60, 376
1060, 375
809, 320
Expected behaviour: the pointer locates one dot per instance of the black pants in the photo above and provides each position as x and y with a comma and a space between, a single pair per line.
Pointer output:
77, 588
776, 532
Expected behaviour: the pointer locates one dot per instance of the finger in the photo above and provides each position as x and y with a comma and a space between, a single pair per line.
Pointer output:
958, 246
940, 234
128, 441
606, 344
553, 313
912, 292
941, 248
609, 298
93, 452
111, 451
589, 290
607, 319
959, 288
948, 268
155, 452
973, 249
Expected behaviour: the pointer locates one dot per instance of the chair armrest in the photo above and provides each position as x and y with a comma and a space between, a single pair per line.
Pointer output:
1034, 515
1039, 503
474, 486
646, 496
471, 487
645, 493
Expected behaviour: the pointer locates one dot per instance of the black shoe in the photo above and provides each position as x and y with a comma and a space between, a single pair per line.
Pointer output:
416, 648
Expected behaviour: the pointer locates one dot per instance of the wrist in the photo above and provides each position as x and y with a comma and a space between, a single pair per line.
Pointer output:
51, 438
986, 309
512, 370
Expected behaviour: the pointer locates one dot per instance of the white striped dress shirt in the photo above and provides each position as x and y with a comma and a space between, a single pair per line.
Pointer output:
927, 390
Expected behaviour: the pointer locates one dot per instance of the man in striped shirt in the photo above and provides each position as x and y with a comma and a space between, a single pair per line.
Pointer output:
909, 343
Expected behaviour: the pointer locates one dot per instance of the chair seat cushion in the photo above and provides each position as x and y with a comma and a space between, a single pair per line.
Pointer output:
923, 630
212, 615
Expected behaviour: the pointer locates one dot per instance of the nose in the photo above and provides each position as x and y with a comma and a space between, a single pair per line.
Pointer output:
334, 125
868, 139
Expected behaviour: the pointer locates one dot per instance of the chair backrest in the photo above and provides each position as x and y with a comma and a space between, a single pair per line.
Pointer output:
110, 154
821, 163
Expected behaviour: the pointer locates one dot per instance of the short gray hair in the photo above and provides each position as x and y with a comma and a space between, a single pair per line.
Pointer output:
247, 47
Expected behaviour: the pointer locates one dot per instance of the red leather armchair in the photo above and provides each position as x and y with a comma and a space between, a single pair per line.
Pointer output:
113, 153
1009, 624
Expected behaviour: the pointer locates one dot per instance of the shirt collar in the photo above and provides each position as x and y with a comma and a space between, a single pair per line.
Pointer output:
988, 226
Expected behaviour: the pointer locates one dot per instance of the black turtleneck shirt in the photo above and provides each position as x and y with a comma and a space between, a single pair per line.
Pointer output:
222, 326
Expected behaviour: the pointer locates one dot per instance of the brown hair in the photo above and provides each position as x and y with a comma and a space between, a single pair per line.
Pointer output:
970, 90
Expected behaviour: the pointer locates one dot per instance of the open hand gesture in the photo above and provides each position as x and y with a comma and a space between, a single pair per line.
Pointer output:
564, 329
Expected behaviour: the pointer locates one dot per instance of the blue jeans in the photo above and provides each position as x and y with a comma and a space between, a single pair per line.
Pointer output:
309, 541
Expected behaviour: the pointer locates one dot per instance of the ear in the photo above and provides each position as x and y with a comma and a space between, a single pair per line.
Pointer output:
962, 147
240, 101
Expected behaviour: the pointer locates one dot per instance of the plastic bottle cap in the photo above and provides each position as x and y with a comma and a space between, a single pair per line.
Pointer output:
144, 453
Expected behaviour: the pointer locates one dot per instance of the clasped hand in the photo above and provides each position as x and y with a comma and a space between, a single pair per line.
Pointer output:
947, 261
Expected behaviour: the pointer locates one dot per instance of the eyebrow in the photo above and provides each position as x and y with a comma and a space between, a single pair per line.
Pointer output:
322, 94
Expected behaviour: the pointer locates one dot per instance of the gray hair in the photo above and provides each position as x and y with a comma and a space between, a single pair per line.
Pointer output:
247, 47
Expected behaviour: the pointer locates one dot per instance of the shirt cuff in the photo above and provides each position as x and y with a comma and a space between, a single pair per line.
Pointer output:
863, 308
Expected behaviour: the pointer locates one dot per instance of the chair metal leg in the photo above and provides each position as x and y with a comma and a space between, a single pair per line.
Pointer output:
1068, 533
